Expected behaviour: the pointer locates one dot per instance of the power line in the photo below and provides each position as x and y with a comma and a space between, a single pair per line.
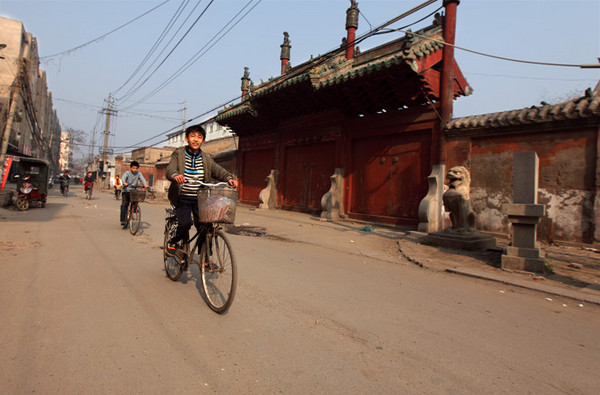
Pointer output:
104, 35
160, 38
501, 57
169, 54
200, 53
137, 145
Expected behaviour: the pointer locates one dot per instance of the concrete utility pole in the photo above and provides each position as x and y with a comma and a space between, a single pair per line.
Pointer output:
108, 111
184, 113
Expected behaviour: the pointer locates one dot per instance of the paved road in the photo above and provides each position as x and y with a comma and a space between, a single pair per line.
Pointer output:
86, 308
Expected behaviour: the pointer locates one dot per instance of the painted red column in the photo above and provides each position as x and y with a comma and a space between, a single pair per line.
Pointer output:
447, 81
351, 26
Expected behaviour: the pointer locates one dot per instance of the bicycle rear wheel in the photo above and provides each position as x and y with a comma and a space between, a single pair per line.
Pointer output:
219, 271
135, 217
173, 263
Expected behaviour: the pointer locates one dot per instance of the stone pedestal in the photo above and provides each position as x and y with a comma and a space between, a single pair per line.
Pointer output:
461, 240
524, 214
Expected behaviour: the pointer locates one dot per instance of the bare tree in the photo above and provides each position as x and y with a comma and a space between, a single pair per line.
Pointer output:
78, 150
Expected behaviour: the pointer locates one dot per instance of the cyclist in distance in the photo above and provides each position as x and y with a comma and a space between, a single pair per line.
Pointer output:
64, 181
118, 186
189, 165
88, 181
131, 180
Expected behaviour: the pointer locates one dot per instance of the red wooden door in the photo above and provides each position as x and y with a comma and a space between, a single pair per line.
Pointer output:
389, 176
256, 167
306, 177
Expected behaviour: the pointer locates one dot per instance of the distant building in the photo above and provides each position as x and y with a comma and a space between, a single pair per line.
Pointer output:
25, 103
66, 151
214, 132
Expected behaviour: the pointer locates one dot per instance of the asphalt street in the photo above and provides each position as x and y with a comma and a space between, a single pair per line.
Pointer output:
87, 308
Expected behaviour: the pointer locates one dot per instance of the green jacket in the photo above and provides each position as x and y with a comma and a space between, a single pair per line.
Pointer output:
212, 172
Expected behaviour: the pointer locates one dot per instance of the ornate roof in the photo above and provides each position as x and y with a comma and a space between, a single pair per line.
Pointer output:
399, 74
586, 106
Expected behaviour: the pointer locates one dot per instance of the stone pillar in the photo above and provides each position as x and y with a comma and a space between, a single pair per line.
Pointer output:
431, 217
524, 214
268, 196
331, 202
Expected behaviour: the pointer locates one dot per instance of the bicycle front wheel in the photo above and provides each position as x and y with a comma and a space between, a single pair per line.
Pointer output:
135, 217
173, 262
219, 271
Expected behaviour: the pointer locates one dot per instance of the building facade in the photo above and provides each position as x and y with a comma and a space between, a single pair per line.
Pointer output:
28, 120
371, 116
565, 137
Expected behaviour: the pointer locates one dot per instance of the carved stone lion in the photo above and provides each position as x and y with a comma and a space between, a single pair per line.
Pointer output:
457, 199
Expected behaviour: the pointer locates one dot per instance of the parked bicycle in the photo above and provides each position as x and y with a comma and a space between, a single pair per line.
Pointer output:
209, 245
134, 213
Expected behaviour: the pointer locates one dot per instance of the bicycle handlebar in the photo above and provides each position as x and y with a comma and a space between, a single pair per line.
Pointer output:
218, 184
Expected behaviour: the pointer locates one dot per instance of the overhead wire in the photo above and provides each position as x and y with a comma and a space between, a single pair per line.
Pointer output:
159, 40
169, 54
200, 52
104, 35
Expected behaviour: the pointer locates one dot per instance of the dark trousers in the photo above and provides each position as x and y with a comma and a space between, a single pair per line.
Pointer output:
186, 207
125, 198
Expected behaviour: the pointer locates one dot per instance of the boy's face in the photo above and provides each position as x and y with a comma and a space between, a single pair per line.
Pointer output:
195, 140
134, 169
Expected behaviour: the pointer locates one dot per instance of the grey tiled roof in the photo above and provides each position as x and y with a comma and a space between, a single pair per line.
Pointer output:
586, 106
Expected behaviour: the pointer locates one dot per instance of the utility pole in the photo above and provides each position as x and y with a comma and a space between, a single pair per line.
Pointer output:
184, 112
103, 166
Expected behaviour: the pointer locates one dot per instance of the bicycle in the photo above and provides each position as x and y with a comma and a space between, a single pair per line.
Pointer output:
216, 259
88, 192
134, 213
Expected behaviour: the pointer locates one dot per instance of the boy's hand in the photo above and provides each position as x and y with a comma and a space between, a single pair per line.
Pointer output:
233, 183
179, 178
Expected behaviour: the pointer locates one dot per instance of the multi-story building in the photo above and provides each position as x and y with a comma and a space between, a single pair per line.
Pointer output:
218, 138
65, 151
27, 118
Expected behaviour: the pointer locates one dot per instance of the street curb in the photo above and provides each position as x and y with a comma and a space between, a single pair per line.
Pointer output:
549, 289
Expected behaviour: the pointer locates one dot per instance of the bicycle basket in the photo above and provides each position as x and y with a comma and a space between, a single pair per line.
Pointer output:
217, 205
137, 196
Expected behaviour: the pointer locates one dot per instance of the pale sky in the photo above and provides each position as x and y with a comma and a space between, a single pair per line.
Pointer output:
551, 31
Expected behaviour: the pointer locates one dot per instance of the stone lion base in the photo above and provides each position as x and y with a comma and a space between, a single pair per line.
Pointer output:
471, 241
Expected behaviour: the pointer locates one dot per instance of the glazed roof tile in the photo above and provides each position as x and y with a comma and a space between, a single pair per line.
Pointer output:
586, 106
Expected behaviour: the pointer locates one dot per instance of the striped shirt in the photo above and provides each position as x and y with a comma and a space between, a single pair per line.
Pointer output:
194, 172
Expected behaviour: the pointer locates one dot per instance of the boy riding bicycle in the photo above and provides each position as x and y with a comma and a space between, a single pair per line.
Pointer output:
131, 179
189, 165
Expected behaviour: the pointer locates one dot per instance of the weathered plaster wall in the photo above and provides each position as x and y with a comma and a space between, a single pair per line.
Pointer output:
566, 181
